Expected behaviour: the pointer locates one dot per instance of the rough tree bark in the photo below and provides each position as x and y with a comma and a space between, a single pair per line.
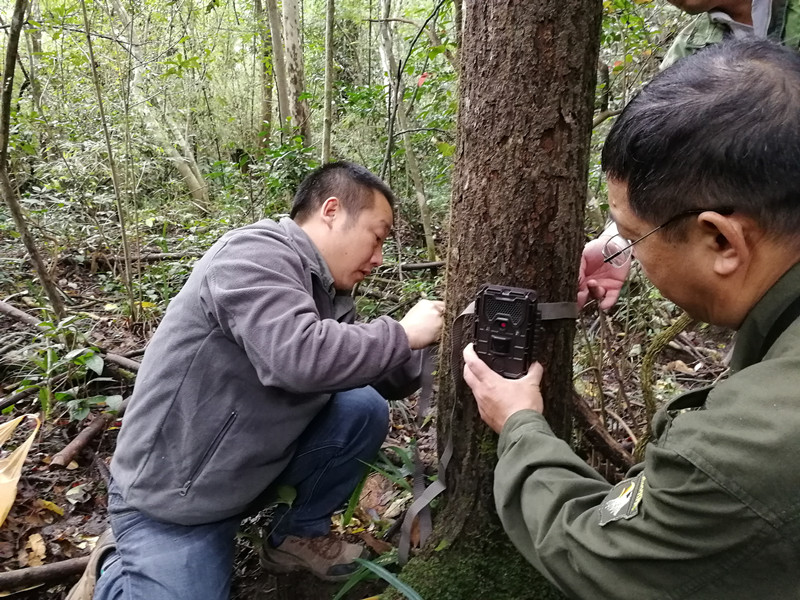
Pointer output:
328, 102
7, 190
295, 76
519, 188
265, 72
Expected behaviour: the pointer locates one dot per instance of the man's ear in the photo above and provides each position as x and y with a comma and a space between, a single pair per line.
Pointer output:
330, 209
726, 236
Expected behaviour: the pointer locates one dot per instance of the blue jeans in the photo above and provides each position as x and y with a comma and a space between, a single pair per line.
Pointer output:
165, 561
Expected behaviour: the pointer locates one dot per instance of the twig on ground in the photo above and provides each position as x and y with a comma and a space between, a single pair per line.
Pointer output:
599, 438
14, 398
125, 363
32, 576
623, 424
19, 315
68, 453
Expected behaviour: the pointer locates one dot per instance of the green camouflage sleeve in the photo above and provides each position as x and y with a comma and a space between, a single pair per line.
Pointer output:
698, 34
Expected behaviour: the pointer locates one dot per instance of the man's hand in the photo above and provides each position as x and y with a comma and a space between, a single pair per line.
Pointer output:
597, 279
423, 323
498, 398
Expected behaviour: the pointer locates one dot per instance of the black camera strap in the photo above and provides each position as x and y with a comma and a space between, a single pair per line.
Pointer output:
423, 496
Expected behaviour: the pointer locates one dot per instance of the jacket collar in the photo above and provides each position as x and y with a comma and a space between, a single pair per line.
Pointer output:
762, 317
311, 255
761, 13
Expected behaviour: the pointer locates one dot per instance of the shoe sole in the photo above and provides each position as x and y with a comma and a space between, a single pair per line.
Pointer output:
276, 568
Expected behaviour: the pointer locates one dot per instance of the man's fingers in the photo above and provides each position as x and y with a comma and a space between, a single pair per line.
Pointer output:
478, 370
609, 301
535, 372
596, 290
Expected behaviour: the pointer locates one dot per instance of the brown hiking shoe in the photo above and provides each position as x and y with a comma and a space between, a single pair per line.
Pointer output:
328, 557
84, 589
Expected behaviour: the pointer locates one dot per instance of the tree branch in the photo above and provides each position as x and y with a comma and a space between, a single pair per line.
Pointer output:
602, 116
598, 436
432, 35
33, 576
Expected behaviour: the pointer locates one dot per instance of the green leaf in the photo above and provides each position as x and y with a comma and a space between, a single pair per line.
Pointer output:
446, 149
78, 409
354, 580
286, 494
68, 321
405, 456
73, 354
398, 480
114, 402
95, 363
393, 581
44, 400
364, 573
442, 545
353, 502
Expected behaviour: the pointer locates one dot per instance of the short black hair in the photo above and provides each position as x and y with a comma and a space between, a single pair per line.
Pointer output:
352, 184
718, 129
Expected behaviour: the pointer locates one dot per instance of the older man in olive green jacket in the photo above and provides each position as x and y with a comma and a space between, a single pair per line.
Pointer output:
704, 178
716, 20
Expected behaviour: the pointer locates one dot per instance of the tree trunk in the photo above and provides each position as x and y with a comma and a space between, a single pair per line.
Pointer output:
458, 21
265, 126
328, 119
396, 91
519, 188
279, 62
294, 70
166, 132
6, 189
412, 165
111, 164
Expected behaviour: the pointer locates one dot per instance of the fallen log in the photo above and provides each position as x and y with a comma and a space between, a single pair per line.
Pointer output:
98, 425
19, 315
14, 398
68, 452
125, 363
32, 576
420, 266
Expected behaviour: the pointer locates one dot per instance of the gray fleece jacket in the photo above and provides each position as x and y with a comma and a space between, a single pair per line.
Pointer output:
247, 354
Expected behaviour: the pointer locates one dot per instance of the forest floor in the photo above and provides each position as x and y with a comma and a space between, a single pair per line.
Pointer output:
59, 512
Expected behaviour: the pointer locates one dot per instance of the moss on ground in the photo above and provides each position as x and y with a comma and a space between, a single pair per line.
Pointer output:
480, 569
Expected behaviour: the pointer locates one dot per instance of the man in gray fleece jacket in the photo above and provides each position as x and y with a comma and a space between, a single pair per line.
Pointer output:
258, 376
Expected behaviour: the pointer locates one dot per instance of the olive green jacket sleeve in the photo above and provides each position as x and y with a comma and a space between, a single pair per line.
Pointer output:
713, 512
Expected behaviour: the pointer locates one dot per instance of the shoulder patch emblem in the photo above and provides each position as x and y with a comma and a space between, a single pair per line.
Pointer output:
622, 502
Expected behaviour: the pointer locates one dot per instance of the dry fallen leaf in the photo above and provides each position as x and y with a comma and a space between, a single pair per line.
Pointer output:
378, 546
77, 494
38, 550
51, 506
680, 367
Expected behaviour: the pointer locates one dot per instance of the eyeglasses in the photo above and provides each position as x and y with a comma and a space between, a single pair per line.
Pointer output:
618, 249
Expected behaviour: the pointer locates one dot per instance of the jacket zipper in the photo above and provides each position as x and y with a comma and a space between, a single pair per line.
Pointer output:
208, 453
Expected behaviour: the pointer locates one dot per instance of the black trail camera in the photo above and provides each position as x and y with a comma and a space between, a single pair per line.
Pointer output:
506, 322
